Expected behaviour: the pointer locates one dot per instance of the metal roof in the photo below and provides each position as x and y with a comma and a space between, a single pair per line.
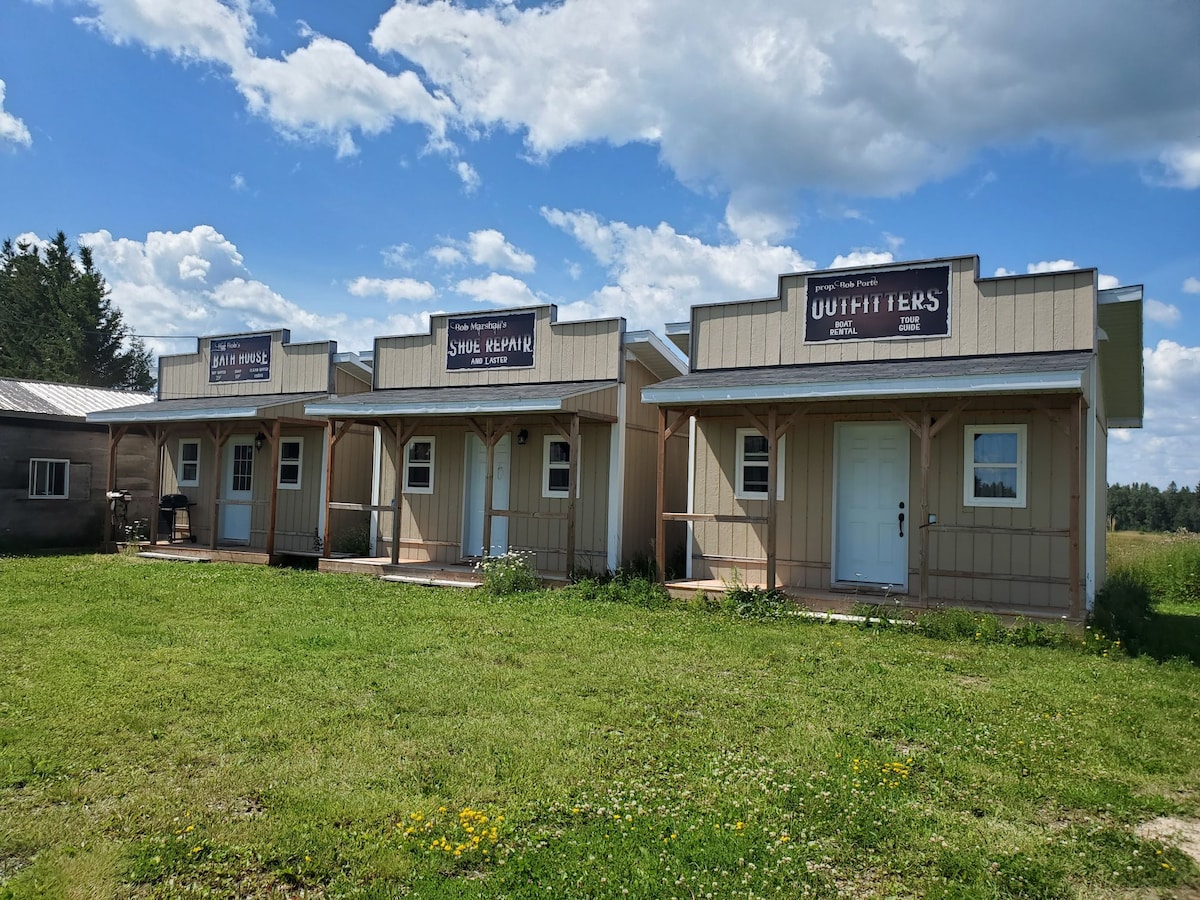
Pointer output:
253, 406
455, 401
1015, 373
42, 398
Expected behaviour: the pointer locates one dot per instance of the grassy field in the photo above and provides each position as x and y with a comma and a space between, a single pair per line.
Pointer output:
192, 731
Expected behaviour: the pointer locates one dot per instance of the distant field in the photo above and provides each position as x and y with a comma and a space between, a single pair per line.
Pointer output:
1170, 563
186, 731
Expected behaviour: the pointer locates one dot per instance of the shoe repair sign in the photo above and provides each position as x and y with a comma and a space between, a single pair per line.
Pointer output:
878, 305
498, 341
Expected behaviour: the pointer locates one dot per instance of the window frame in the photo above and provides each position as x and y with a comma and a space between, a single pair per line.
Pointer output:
547, 492
298, 462
1021, 466
179, 479
410, 465
739, 491
48, 461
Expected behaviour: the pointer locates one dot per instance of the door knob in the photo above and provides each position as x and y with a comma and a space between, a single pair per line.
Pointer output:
902, 524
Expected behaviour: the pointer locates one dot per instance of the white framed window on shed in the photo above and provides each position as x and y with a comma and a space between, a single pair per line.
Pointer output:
49, 479
418, 466
994, 465
189, 463
556, 467
751, 466
291, 463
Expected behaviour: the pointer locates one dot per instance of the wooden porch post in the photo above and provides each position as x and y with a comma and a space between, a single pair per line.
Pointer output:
398, 471
114, 438
160, 444
660, 500
772, 494
273, 437
923, 525
1073, 433
331, 448
219, 434
572, 490
488, 487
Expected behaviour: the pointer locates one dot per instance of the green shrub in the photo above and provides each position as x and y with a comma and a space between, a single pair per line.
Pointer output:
753, 602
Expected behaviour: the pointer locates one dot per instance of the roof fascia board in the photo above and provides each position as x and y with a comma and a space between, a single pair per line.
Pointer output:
117, 417
640, 342
866, 390
461, 408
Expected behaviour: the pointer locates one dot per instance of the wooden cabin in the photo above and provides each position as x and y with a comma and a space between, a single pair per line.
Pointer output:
912, 433
53, 465
238, 455
507, 431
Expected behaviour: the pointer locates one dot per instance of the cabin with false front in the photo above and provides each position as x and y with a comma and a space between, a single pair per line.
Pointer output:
913, 433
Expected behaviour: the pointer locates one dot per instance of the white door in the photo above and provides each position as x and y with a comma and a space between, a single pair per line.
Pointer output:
872, 518
237, 483
473, 495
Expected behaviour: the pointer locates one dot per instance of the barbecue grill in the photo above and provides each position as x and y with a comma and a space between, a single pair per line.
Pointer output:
175, 518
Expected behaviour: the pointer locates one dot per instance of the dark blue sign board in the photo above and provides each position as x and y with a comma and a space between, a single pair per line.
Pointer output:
496, 341
878, 305
239, 359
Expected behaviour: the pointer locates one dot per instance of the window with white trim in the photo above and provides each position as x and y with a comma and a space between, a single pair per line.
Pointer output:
556, 467
994, 465
751, 466
291, 463
189, 463
418, 466
49, 479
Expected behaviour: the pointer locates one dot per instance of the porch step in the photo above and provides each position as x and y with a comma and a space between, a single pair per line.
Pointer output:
430, 582
173, 557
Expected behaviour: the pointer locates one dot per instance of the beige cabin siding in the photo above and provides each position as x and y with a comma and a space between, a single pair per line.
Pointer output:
1052, 312
564, 351
1000, 557
345, 384
432, 525
295, 368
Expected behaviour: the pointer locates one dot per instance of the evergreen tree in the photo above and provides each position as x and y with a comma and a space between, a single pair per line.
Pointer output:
57, 321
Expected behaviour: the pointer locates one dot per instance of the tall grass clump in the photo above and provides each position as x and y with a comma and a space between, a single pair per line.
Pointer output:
1124, 609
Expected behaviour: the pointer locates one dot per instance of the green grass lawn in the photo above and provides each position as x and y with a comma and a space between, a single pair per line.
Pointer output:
172, 730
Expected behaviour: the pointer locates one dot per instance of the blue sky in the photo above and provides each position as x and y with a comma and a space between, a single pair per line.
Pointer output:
346, 169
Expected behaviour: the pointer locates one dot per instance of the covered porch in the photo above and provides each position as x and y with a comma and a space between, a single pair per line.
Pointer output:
463, 473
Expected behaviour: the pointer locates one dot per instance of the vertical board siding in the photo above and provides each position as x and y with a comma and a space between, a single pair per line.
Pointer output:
564, 351
295, 368
1021, 314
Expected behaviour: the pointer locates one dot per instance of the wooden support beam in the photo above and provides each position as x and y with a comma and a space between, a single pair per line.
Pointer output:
675, 424
114, 438
398, 478
273, 437
488, 487
755, 421
772, 495
660, 505
219, 434
330, 450
160, 444
947, 417
572, 490
926, 436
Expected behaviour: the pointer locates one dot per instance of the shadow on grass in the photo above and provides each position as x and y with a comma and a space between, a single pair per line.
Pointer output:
1171, 636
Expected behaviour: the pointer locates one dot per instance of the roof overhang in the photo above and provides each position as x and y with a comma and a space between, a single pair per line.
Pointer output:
884, 379
1119, 347
655, 354
167, 411
680, 334
450, 401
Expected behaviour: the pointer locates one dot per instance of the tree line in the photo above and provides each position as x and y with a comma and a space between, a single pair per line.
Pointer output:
1143, 507
57, 321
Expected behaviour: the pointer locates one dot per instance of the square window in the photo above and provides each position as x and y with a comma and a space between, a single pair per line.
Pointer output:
556, 468
418, 466
49, 479
752, 463
994, 465
189, 464
291, 463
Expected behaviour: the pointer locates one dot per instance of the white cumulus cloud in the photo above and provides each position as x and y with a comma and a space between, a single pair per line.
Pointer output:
468, 176
862, 257
657, 274
500, 290
11, 128
1191, 286
486, 247
1162, 313
1165, 449
392, 289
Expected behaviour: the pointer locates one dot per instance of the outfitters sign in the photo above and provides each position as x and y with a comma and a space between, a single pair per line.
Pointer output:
865, 306
239, 359
490, 342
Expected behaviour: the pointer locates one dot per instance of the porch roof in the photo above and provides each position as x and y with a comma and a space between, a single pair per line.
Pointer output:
200, 409
458, 401
1021, 373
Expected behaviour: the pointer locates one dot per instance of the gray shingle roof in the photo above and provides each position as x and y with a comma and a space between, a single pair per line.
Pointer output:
233, 407
454, 400
62, 400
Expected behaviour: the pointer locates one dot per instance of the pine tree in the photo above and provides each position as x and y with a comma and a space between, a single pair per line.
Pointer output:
57, 321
